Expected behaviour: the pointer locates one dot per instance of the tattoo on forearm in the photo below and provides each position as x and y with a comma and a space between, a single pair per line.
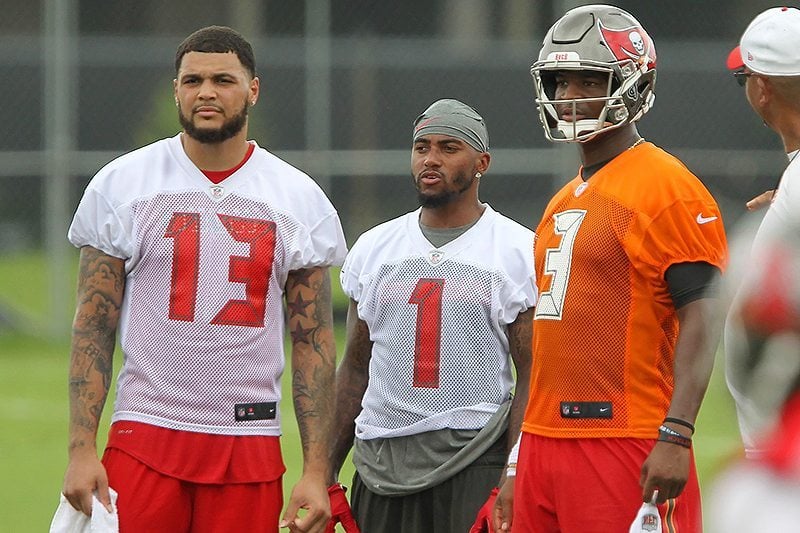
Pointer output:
303, 396
303, 276
352, 377
308, 304
301, 334
521, 335
313, 403
100, 290
298, 306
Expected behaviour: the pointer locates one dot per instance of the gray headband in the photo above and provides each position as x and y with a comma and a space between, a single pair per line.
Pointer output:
451, 117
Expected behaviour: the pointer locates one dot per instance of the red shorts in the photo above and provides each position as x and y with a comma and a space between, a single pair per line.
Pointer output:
591, 486
153, 502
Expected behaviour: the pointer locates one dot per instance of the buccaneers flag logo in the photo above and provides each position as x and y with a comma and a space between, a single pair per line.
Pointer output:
631, 43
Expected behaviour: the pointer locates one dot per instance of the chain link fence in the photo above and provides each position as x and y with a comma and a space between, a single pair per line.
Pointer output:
342, 81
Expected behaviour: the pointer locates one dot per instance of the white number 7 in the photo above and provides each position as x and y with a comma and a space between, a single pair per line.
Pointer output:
558, 263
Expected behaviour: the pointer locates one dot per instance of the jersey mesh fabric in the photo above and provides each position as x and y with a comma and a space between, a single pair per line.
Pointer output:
472, 369
605, 328
202, 318
437, 319
233, 342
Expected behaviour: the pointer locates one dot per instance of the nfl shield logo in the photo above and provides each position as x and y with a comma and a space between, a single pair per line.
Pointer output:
217, 191
240, 412
435, 256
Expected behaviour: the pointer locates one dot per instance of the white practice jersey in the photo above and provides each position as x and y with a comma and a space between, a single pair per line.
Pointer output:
437, 319
757, 409
202, 319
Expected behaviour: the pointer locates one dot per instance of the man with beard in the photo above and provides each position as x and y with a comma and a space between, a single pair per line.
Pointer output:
190, 245
441, 301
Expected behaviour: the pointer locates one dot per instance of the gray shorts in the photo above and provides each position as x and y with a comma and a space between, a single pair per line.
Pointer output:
450, 507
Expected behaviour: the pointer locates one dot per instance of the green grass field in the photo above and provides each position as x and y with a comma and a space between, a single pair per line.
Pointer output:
33, 410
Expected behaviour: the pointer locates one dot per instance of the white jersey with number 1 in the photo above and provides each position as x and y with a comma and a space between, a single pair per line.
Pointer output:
438, 318
202, 319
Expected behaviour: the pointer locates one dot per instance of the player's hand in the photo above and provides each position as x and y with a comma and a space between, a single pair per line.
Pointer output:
504, 506
85, 475
761, 201
665, 469
340, 510
483, 522
309, 493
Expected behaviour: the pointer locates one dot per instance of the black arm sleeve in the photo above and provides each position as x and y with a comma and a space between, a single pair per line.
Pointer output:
688, 282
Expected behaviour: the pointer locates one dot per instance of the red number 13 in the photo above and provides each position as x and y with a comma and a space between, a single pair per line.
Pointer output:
254, 270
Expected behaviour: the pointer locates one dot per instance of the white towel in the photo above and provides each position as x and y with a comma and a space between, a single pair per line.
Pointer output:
647, 519
69, 520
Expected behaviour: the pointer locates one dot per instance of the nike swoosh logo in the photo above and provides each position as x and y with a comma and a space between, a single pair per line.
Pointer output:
604, 409
704, 220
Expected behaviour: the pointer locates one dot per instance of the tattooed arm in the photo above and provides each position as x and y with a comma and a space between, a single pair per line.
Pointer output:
351, 384
308, 302
101, 284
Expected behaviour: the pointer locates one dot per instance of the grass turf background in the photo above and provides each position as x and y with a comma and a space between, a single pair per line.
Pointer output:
34, 412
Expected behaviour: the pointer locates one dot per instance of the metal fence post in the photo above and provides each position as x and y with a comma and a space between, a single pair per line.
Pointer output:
60, 65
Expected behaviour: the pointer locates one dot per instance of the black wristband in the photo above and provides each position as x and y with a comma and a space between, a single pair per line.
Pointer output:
680, 422
666, 434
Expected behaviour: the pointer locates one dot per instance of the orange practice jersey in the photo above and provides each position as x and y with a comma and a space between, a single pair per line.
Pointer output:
605, 326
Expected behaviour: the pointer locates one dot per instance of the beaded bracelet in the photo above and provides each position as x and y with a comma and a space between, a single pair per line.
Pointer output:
666, 434
680, 422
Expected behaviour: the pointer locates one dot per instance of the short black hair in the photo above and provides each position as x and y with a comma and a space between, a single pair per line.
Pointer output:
217, 39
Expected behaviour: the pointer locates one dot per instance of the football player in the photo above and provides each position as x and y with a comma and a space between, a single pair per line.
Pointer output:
190, 246
626, 252
441, 304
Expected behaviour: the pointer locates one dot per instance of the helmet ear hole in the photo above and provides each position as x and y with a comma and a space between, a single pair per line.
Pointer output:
619, 115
